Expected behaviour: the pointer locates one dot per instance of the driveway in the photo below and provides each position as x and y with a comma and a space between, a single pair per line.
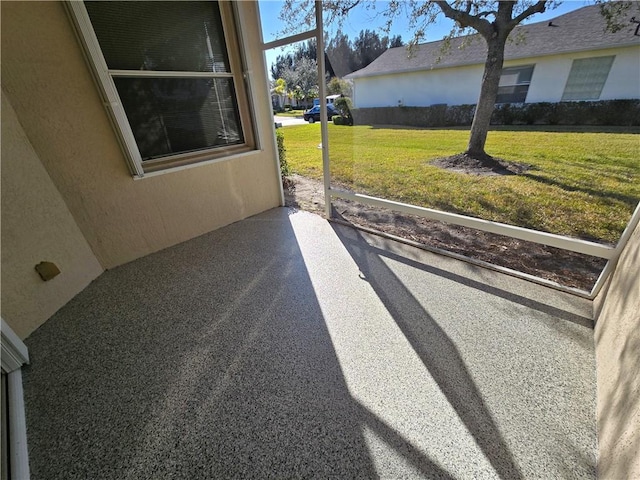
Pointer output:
287, 121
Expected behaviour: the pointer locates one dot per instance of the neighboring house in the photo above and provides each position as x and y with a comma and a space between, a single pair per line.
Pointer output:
571, 57
277, 100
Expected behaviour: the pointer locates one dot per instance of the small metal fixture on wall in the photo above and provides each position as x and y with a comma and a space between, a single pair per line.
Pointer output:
47, 270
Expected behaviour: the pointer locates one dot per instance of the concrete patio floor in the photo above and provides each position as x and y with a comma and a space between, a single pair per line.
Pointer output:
284, 346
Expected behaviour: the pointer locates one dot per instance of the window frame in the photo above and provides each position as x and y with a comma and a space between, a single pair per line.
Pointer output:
575, 72
517, 84
104, 78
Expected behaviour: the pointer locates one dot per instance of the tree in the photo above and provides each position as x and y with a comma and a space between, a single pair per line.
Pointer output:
282, 63
280, 89
367, 47
493, 20
339, 52
307, 50
396, 41
302, 79
495, 34
338, 86
343, 105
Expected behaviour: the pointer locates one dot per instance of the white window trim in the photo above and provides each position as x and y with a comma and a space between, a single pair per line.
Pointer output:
594, 98
14, 356
111, 99
518, 67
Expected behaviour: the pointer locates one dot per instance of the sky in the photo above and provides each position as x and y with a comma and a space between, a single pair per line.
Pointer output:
361, 19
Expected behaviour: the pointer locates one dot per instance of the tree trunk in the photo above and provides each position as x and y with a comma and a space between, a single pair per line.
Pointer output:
487, 99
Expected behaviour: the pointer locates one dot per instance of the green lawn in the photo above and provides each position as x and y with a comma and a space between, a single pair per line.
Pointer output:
292, 113
581, 184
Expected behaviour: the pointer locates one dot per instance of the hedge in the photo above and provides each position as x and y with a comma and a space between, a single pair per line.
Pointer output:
282, 155
603, 112
340, 120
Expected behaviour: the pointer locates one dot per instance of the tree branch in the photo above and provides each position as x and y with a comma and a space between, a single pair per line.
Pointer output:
486, 13
465, 19
339, 8
503, 16
468, 8
538, 7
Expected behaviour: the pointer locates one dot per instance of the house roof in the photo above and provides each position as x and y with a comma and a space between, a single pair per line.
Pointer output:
579, 30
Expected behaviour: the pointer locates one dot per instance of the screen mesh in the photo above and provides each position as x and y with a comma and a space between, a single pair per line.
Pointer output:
177, 115
160, 36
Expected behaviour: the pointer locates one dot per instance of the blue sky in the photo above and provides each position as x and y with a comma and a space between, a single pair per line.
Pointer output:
361, 19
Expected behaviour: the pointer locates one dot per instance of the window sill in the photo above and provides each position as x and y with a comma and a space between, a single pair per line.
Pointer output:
201, 163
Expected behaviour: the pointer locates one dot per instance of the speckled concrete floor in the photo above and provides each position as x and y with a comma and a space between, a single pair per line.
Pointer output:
287, 347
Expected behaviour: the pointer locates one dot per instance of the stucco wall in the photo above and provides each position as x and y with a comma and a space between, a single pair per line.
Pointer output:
36, 226
461, 85
420, 89
617, 338
551, 73
45, 76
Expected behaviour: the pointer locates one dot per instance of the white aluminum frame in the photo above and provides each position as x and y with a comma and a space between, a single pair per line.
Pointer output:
14, 356
516, 67
610, 253
316, 33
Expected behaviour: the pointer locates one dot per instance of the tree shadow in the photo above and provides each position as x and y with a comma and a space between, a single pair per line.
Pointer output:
497, 292
565, 128
210, 359
605, 195
437, 352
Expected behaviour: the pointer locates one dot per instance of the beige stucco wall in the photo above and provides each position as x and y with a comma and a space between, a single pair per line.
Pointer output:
45, 76
617, 337
36, 226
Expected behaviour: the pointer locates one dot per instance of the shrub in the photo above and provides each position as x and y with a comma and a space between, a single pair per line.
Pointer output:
340, 120
603, 112
282, 154
343, 105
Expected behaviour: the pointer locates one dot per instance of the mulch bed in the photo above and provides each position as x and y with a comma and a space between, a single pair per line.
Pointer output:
565, 268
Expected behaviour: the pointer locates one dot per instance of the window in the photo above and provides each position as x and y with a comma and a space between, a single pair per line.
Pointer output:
514, 84
587, 77
171, 77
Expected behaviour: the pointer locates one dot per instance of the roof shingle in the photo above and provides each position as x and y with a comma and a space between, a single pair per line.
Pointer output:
579, 30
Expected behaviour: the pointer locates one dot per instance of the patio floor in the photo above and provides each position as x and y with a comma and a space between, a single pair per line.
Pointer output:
285, 346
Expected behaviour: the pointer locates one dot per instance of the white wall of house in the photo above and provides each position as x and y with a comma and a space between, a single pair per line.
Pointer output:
550, 74
62, 152
461, 85
453, 86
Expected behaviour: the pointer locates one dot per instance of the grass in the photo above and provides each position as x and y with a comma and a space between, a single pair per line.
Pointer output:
291, 113
582, 184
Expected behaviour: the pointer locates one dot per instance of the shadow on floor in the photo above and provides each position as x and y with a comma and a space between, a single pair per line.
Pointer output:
438, 353
210, 359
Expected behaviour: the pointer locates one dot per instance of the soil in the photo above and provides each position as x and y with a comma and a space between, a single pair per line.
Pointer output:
488, 165
565, 268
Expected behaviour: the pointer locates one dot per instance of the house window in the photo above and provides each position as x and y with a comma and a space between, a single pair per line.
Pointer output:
514, 84
172, 78
587, 78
